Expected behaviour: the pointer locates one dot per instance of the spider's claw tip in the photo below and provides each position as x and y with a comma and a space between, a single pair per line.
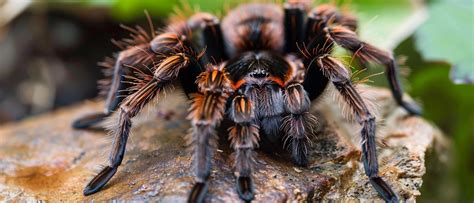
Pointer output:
245, 188
412, 108
301, 162
99, 180
384, 190
198, 193
88, 191
299, 155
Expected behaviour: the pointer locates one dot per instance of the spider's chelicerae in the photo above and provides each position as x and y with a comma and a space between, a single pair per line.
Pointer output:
260, 68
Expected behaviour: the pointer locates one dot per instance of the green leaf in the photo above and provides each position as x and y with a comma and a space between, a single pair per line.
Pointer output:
387, 23
449, 36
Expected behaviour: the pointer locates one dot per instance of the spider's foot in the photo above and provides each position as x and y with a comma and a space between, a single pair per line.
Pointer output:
299, 155
384, 190
89, 121
99, 180
412, 108
300, 160
245, 188
198, 193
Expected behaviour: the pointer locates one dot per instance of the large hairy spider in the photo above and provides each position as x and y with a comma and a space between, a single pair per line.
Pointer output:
260, 68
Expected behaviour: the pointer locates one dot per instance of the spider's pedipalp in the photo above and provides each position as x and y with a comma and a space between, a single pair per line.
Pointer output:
299, 124
340, 78
367, 53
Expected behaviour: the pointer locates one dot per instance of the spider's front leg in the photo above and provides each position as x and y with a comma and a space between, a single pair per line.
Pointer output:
339, 76
206, 113
348, 39
244, 136
166, 72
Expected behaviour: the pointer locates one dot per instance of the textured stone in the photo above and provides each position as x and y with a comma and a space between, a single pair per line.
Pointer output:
42, 158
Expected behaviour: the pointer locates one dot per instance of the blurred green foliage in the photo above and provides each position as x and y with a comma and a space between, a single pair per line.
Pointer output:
446, 36
449, 106
374, 25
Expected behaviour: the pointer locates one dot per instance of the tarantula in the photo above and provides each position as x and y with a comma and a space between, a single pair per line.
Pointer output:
261, 68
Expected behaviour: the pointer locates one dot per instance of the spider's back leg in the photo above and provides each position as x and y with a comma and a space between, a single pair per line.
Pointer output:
318, 48
139, 55
348, 39
208, 28
211, 37
340, 77
294, 23
315, 43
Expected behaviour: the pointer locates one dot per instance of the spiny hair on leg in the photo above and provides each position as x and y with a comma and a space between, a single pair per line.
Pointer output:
246, 138
299, 126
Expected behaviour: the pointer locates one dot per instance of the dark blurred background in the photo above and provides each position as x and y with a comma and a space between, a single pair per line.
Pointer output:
49, 51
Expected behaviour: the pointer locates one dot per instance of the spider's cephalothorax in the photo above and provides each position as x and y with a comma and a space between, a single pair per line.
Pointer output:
261, 68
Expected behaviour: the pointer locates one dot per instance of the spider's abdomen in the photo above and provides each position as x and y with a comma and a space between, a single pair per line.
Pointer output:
252, 27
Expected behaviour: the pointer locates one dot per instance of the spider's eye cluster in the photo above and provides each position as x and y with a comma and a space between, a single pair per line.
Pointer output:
259, 73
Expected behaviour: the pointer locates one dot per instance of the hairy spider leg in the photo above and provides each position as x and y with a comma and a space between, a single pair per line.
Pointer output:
294, 22
208, 96
244, 137
315, 43
340, 77
257, 107
207, 28
140, 51
117, 90
321, 68
348, 39
164, 73
299, 124
211, 37
206, 113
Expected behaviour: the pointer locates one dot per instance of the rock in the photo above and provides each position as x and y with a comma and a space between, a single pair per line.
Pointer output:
42, 158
